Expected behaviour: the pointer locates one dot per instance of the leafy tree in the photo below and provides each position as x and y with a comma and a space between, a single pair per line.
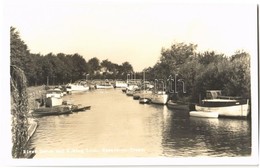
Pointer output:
108, 65
18, 49
176, 56
189, 74
47, 69
209, 57
80, 67
127, 67
33, 71
19, 52
67, 66
94, 65
239, 75
110, 69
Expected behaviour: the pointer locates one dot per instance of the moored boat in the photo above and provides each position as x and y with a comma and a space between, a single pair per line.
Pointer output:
57, 110
146, 92
79, 108
225, 106
143, 92
160, 97
77, 87
104, 85
136, 94
131, 89
178, 105
53, 97
120, 84
129, 92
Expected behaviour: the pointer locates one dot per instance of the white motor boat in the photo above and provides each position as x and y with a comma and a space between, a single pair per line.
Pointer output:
225, 106
76, 87
120, 84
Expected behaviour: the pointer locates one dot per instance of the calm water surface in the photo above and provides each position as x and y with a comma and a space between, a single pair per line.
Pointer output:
118, 126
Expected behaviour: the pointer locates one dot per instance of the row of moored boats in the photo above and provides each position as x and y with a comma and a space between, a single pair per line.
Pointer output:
52, 102
213, 106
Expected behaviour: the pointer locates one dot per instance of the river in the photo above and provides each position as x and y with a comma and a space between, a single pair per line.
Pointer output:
118, 126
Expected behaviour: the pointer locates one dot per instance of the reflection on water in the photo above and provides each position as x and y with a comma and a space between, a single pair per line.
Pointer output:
118, 126
207, 137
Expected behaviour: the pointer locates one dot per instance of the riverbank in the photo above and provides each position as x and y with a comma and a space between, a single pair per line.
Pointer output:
34, 93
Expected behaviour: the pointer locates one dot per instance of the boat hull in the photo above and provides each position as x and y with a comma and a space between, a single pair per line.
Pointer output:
104, 87
178, 106
77, 88
80, 108
80, 89
120, 85
241, 110
159, 98
136, 96
129, 92
46, 111
204, 114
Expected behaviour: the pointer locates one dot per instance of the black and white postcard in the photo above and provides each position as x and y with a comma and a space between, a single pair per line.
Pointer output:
110, 82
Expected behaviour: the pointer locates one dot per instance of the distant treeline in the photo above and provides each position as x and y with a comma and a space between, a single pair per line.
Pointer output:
198, 71
61, 68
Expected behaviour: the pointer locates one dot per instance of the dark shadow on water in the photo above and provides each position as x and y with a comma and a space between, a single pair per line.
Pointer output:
216, 137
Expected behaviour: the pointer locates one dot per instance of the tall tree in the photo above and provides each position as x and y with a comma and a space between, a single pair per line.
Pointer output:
239, 83
127, 67
94, 65
80, 67
17, 48
19, 52
174, 57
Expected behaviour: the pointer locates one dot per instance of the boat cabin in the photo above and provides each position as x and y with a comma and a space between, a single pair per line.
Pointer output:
213, 94
214, 98
54, 93
217, 94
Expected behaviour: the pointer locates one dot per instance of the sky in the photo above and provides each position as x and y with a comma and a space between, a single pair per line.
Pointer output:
133, 31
